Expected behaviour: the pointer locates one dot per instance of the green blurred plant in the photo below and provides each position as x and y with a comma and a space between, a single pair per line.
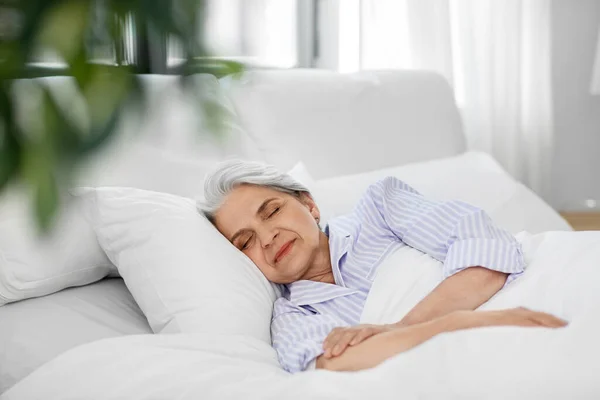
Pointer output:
44, 158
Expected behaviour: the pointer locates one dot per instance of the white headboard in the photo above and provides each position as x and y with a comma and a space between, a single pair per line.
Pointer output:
336, 123
348, 123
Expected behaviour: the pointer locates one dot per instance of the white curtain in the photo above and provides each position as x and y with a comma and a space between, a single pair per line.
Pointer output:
595, 88
495, 54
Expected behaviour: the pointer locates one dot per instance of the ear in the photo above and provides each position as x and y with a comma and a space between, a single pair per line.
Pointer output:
309, 202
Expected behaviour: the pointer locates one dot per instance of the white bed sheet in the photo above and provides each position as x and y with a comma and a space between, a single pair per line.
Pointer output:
486, 363
35, 331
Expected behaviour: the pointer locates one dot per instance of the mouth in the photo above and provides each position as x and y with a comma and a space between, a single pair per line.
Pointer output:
284, 250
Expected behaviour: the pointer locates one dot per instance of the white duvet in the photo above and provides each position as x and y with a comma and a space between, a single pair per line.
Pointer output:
562, 277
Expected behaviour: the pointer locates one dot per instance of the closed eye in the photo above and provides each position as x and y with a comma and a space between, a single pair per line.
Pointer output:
274, 212
247, 243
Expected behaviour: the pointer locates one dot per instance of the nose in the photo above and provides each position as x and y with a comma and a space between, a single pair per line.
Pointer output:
267, 236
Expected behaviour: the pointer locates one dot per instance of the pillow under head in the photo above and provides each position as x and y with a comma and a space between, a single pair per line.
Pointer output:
185, 276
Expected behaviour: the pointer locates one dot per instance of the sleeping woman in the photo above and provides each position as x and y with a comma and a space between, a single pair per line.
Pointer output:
326, 274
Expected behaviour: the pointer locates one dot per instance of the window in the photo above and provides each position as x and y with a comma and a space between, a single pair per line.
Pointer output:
257, 33
100, 47
262, 33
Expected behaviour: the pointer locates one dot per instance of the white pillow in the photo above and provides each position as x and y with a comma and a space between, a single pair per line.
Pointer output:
474, 177
32, 265
185, 276
166, 149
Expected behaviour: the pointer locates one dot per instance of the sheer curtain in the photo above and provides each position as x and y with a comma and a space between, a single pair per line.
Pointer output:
495, 54
595, 88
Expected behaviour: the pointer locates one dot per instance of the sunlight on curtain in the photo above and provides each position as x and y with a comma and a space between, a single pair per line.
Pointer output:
386, 43
595, 88
496, 56
349, 41
406, 34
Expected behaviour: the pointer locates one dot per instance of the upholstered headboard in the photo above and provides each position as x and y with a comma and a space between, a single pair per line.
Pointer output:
337, 124
346, 123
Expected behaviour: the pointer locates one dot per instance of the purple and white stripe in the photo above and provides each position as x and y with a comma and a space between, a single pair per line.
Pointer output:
391, 214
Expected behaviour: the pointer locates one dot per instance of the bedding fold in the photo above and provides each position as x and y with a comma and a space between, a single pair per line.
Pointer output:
562, 277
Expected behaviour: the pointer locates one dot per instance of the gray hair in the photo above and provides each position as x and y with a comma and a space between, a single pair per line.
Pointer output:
228, 174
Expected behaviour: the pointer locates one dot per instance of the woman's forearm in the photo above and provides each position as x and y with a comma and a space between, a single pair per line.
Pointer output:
465, 290
380, 347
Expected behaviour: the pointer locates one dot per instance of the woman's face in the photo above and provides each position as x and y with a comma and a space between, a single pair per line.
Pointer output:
278, 231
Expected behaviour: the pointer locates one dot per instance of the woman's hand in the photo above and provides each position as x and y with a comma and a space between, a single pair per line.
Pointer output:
340, 338
512, 317
388, 341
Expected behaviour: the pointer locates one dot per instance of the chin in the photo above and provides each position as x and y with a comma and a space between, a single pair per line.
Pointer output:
294, 271
283, 280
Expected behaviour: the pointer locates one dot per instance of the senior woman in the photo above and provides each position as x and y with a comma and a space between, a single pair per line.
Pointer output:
326, 274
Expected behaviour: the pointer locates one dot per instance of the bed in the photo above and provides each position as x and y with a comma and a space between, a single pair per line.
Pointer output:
35, 331
278, 116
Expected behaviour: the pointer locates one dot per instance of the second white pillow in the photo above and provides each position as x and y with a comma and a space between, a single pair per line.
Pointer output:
184, 275
474, 177
34, 265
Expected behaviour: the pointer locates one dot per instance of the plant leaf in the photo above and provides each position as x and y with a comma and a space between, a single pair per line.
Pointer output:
46, 200
9, 145
38, 170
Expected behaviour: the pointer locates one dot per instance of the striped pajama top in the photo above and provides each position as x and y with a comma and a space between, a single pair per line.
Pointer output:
389, 215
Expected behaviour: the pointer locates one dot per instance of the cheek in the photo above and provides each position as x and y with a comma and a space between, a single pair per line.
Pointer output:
311, 231
301, 221
258, 257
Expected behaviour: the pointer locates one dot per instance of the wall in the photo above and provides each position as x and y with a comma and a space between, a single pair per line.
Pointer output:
576, 162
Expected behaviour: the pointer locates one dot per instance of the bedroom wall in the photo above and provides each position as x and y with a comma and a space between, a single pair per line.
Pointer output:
576, 165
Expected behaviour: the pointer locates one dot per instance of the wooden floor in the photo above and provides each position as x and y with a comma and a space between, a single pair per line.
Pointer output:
583, 221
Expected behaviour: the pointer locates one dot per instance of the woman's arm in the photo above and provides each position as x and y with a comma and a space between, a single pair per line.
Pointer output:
466, 290
379, 348
478, 256
456, 233
297, 336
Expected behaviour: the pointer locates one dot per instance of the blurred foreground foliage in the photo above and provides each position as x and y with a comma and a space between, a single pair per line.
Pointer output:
43, 153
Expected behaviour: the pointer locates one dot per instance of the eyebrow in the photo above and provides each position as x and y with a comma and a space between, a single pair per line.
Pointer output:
259, 211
